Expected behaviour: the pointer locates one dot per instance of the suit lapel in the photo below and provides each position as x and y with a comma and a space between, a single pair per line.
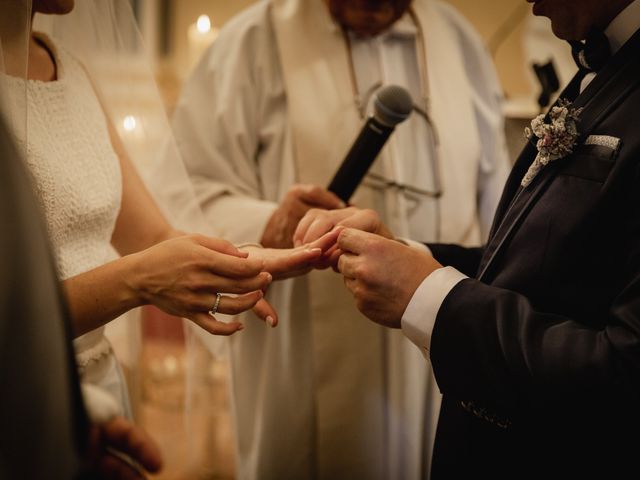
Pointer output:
512, 185
522, 163
512, 191
603, 95
514, 216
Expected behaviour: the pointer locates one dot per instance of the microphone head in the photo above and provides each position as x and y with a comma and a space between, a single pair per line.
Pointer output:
392, 105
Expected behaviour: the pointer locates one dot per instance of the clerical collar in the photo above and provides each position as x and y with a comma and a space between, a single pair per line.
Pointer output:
403, 27
622, 28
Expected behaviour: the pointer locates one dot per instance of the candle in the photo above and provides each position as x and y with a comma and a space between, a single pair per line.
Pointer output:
200, 35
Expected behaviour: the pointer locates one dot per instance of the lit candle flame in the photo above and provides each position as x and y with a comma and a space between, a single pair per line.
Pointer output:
203, 24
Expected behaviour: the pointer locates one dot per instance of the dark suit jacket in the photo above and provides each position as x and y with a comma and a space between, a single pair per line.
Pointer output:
538, 356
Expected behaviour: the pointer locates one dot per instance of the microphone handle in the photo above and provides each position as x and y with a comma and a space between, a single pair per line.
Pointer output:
359, 159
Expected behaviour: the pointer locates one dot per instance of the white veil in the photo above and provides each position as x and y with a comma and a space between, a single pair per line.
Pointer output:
14, 48
103, 36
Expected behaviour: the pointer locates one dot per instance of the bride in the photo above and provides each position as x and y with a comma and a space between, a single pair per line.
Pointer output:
94, 199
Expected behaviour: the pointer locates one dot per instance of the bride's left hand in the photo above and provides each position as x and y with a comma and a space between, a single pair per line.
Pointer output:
291, 262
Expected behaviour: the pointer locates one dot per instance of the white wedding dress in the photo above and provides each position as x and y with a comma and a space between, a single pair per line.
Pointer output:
78, 181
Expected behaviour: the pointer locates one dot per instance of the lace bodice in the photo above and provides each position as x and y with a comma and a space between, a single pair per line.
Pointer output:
75, 170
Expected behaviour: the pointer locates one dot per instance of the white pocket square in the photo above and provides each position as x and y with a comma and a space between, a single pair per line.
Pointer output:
604, 141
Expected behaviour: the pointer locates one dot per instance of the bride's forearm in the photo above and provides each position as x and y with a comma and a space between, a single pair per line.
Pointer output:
100, 295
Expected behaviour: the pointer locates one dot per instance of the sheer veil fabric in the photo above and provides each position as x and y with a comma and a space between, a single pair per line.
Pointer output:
14, 48
102, 35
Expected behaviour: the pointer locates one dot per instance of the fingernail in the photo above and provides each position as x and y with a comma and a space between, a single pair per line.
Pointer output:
269, 277
270, 320
240, 327
314, 250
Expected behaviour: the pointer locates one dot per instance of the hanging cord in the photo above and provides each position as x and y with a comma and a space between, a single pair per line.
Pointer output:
423, 110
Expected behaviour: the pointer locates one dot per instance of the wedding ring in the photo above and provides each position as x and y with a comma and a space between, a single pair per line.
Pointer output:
214, 310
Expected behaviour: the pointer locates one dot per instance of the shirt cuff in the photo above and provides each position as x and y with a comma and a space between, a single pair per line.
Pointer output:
420, 315
417, 245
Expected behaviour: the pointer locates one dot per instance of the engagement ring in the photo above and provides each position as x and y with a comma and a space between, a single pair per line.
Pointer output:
214, 310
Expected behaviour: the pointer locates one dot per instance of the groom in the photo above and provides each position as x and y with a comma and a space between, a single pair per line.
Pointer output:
535, 338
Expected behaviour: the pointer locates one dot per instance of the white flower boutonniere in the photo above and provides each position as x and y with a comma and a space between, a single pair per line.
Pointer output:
556, 137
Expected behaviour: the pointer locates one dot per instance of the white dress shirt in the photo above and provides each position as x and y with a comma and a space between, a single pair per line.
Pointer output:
618, 32
420, 315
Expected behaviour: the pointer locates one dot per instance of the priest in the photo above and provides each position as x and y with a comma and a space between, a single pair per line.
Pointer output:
263, 123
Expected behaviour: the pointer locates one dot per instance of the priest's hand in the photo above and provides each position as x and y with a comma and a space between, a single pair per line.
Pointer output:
382, 274
298, 201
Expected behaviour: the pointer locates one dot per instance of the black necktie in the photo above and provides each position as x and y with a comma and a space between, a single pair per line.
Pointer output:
592, 54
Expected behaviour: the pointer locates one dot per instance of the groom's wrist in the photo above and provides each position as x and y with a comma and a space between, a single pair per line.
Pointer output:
420, 315
413, 244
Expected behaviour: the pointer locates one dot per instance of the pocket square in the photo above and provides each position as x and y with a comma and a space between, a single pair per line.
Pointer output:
604, 141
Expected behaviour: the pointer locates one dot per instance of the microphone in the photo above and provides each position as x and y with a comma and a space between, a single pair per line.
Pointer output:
392, 105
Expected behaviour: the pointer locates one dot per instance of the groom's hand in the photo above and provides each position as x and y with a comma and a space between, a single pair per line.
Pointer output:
382, 274
317, 222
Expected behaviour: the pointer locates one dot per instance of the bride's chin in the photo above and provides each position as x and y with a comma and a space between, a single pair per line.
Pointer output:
53, 7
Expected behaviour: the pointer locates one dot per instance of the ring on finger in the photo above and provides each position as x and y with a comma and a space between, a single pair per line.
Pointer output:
214, 310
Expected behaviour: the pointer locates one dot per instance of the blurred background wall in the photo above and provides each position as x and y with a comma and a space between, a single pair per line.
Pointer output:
503, 25
514, 37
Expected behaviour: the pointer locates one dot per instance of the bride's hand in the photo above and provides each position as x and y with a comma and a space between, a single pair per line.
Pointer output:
291, 262
183, 276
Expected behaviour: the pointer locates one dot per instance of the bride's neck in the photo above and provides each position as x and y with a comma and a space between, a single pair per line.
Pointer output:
42, 65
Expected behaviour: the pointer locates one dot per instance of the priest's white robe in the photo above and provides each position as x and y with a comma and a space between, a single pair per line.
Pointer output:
329, 394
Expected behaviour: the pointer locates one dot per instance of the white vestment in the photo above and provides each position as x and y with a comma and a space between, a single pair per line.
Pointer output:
329, 394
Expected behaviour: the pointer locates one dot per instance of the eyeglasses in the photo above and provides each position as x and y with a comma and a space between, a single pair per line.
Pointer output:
379, 182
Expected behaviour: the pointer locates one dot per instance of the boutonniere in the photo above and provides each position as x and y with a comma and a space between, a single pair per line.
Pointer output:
556, 135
